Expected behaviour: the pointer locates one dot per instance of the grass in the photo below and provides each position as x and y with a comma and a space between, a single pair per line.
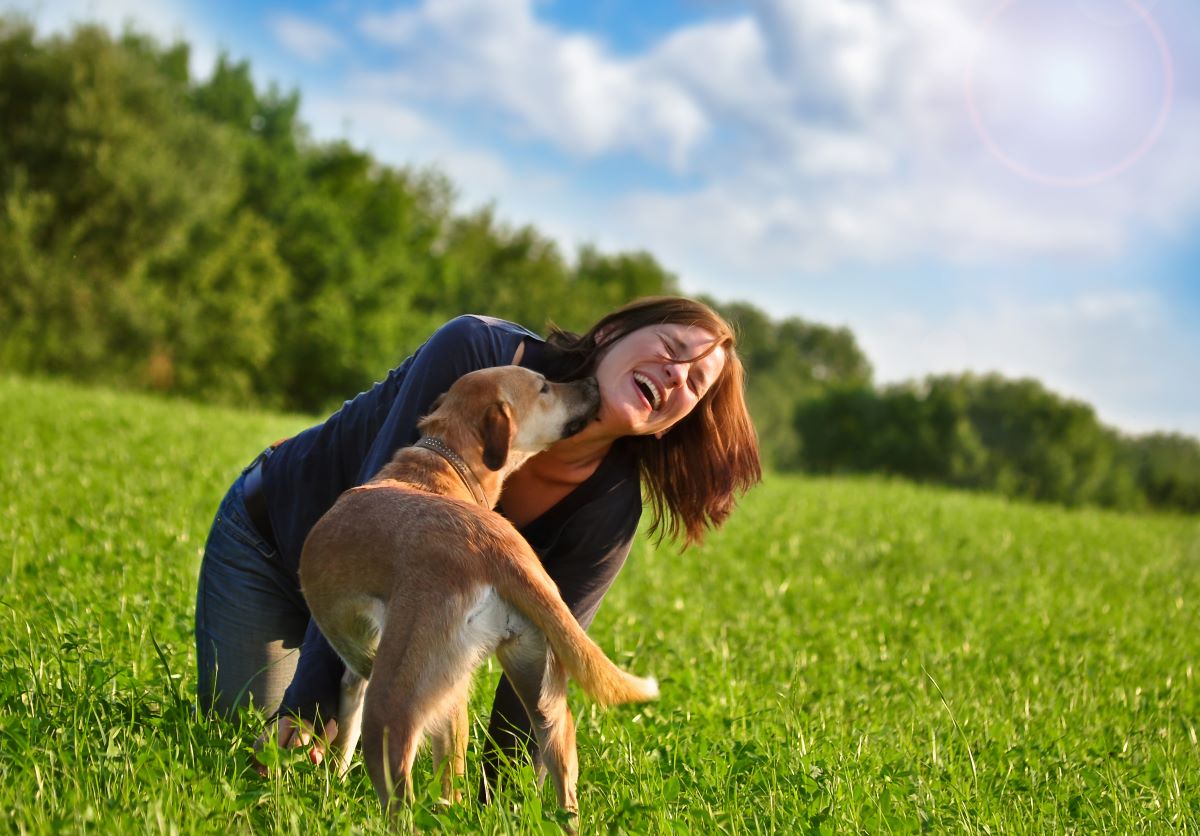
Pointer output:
845, 656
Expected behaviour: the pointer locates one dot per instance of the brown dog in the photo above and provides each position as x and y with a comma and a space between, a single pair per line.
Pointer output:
415, 581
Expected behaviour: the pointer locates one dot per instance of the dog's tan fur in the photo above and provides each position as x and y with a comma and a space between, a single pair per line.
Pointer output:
415, 584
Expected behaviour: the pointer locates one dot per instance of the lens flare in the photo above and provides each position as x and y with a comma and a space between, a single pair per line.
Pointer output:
1063, 98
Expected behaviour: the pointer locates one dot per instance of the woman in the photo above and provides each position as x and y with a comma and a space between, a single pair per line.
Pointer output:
672, 413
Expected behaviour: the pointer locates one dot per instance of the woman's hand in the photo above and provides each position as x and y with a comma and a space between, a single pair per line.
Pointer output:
293, 733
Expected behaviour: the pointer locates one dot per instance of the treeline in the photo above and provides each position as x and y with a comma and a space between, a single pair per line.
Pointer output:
188, 236
1014, 437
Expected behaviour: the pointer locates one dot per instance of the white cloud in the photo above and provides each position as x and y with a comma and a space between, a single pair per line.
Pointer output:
371, 122
858, 148
553, 86
839, 49
819, 133
777, 231
724, 65
311, 42
404, 135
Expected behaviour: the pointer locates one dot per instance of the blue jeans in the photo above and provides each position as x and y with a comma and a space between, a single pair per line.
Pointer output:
250, 615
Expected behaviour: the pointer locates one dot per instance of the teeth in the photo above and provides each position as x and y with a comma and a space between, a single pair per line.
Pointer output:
656, 396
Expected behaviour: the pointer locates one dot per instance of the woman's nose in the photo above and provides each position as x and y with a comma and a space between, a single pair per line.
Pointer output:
674, 372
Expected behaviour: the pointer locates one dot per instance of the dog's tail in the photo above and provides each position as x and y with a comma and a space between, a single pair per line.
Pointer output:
523, 582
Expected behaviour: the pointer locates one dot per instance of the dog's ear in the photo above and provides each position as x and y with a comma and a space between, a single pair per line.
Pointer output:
497, 435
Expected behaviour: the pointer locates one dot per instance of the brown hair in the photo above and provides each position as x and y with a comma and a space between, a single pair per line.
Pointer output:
696, 470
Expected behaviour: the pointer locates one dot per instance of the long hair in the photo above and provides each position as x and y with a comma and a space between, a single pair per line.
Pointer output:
696, 471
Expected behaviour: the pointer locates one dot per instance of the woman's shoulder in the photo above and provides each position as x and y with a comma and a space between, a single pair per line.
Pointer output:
492, 323
479, 326
478, 340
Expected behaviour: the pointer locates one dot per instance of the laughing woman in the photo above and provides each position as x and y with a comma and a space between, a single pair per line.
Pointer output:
673, 425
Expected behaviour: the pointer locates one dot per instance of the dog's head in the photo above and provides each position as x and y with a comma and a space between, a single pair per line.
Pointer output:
503, 415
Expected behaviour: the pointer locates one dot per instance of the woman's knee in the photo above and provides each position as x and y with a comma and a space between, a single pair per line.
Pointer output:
249, 622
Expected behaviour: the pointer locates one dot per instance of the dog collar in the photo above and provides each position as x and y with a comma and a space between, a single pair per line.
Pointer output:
460, 467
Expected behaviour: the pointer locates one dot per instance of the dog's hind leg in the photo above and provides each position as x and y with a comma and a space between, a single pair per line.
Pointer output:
350, 710
558, 747
541, 683
422, 671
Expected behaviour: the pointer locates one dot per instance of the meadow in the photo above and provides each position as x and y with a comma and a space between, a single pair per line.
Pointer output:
847, 655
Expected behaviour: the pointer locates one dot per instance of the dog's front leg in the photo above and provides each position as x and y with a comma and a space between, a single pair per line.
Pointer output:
450, 749
350, 708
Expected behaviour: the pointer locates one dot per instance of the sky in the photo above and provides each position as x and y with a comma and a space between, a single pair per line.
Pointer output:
983, 185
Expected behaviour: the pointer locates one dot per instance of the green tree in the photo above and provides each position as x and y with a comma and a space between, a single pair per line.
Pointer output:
95, 137
787, 364
601, 283
1041, 446
221, 326
487, 266
1166, 467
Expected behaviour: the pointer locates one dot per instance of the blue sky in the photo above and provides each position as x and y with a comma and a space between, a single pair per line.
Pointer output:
1006, 185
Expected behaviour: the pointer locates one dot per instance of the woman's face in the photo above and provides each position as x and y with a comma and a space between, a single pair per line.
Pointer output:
647, 384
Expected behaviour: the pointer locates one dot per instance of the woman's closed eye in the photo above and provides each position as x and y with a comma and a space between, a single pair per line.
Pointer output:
671, 356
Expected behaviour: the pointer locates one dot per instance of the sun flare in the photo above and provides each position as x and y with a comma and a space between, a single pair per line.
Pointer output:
1062, 95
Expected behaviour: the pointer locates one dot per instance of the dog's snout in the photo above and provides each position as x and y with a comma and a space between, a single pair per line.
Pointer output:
587, 406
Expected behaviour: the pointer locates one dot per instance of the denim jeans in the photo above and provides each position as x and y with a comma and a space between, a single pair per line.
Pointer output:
250, 615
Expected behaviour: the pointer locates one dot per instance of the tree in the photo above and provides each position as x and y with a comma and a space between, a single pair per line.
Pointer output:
221, 327
487, 266
600, 283
94, 139
788, 364
1167, 469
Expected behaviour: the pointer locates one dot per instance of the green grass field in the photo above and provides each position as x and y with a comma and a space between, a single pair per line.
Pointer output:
846, 656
